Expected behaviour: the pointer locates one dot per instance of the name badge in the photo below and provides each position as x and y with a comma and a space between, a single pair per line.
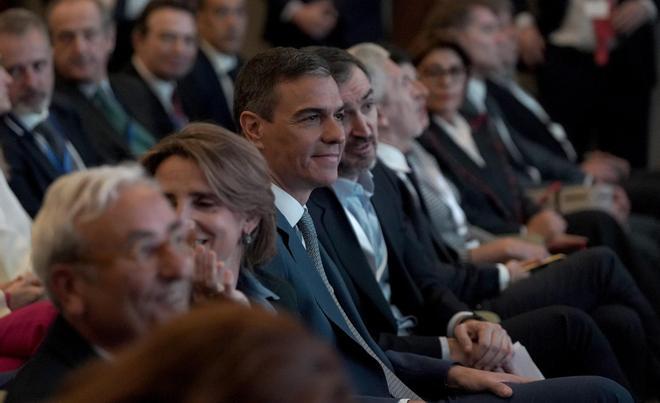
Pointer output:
597, 9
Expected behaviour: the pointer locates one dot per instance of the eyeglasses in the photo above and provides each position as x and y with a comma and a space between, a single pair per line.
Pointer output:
435, 72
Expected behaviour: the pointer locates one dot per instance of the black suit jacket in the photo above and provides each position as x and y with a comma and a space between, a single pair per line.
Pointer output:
151, 112
202, 83
62, 351
30, 171
491, 196
421, 286
538, 148
359, 21
523, 120
470, 283
110, 143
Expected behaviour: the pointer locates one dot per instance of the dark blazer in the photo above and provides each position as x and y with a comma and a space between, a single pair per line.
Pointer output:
336, 235
359, 21
537, 145
30, 171
110, 143
491, 196
62, 351
202, 83
321, 315
523, 120
151, 112
470, 283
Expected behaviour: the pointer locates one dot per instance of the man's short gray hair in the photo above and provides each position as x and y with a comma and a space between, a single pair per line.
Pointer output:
374, 58
71, 200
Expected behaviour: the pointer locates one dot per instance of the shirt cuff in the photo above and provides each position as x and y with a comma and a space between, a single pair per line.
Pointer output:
503, 275
444, 345
456, 319
290, 10
404, 400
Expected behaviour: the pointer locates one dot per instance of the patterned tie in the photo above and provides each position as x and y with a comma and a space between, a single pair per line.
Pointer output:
436, 200
56, 150
137, 137
396, 387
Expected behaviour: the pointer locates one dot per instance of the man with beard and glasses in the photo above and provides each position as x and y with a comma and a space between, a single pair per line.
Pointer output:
41, 137
115, 261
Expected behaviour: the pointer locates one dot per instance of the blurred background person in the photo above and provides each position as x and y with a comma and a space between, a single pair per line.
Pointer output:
83, 37
338, 23
222, 25
595, 67
165, 42
41, 137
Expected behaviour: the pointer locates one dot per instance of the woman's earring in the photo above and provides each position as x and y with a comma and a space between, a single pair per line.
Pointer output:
247, 239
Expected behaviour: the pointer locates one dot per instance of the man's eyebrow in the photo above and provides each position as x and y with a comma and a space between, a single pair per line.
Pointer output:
369, 94
309, 111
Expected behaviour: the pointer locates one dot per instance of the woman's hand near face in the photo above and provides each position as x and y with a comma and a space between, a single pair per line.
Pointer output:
211, 279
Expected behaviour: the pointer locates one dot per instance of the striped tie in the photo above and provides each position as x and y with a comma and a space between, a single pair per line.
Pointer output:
396, 387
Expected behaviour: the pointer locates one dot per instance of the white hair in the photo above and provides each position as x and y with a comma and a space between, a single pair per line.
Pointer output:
73, 199
374, 58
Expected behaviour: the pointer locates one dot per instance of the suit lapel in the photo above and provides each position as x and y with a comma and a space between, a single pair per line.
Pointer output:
307, 272
336, 226
463, 167
31, 150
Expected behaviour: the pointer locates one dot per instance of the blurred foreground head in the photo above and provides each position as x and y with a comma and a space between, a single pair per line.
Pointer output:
218, 353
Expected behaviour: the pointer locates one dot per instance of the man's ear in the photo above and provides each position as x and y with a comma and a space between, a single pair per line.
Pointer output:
66, 285
252, 128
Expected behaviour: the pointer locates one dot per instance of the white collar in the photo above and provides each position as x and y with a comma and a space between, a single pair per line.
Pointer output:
290, 208
89, 89
476, 93
393, 158
163, 89
458, 125
222, 63
31, 120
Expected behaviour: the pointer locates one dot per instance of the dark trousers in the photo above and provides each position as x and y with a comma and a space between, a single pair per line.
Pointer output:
596, 282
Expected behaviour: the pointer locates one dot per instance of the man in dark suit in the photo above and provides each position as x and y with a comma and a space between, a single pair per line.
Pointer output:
289, 106
380, 258
113, 257
323, 22
41, 138
595, 69
83, 38
221, 25
165, 45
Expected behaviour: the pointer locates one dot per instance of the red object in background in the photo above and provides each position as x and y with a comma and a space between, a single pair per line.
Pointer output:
22, 331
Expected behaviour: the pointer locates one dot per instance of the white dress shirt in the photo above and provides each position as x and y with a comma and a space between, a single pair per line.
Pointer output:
461, 134
163, 89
